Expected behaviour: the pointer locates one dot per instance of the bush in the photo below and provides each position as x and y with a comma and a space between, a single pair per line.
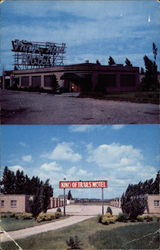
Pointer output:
26, 216
109, 210
140, 218
74, 243
148, 217
58, 215
59, 210
12, 215
99, 218
123, 217
45, 217
108, 220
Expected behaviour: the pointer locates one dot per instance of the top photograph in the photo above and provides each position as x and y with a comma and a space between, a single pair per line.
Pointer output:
80, 62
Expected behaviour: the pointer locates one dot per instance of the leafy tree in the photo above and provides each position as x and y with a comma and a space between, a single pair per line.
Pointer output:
128, 62
142, 71
109, 210
69, 197
156, 185
155, 51
151, 74
73, 243
111, 61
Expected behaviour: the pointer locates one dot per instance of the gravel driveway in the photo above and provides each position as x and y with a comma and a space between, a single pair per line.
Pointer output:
20, 107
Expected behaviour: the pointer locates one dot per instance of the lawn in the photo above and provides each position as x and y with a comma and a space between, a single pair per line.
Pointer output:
94, 235
11, 224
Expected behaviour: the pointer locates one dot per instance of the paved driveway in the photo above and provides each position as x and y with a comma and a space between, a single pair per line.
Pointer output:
79, 213
20, 107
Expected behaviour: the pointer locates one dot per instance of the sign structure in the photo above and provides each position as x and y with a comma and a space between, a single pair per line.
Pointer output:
37, 54
83, 184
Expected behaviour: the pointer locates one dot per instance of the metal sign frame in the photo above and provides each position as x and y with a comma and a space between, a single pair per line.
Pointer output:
83, 184
37, 54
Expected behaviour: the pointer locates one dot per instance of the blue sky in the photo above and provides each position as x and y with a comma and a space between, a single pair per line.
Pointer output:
91, 29
121, 154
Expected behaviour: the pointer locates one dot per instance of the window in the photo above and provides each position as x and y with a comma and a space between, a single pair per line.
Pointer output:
13, 203
25, 81
127, 80
2, 203
36, 81
156, 203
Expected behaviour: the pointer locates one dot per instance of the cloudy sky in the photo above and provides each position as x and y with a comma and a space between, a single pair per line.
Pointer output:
91, 29
117, 153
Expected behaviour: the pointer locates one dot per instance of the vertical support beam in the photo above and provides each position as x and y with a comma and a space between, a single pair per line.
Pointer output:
64, 205
102, 202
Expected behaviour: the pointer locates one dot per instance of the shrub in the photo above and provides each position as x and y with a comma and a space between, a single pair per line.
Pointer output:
3, 215
108, 220
73, 243
58, 215
12, 215
45, 217
109, 210
99, 218
148, 217
26, 216
122, 217
59, 210
140, 218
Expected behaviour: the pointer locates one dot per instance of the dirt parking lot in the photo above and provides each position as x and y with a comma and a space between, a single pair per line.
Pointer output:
18, 107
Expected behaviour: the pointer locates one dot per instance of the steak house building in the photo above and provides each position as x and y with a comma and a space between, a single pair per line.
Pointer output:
77, 77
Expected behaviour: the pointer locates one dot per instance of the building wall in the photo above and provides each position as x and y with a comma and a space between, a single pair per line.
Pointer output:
13, 203
96, 72
153, 204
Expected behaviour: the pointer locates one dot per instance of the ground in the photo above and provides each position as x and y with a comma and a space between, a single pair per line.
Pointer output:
79, 213
19, 107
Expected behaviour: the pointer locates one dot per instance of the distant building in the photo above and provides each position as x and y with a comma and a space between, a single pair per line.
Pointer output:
73, 78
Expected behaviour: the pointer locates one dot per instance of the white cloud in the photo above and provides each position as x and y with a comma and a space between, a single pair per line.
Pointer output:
54, 139
84, 128
16, 167
63, 151
117, 127
27, 158
115, 156
52, 166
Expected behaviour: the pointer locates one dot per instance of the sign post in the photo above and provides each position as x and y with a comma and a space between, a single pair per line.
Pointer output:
102, 202
64, 205
84, 184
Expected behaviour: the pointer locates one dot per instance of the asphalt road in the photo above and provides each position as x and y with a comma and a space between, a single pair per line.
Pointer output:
18, 107
78, 213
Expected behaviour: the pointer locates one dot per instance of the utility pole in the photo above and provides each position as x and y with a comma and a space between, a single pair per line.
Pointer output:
102, 202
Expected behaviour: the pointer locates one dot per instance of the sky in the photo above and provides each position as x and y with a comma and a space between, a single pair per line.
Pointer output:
121, 154
91, 29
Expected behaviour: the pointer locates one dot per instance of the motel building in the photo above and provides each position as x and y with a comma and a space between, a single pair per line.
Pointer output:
20, 203
88, 77
41, 65
152, 203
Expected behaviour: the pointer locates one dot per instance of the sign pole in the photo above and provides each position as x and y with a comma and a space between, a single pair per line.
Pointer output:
64, 205
102, 203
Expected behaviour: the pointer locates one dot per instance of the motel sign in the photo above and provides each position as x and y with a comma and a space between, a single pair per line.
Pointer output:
83, 184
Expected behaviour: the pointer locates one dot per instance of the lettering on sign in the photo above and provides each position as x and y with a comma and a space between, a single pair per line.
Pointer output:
83, 184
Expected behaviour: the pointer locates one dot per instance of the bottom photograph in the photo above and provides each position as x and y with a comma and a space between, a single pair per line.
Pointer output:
80, 187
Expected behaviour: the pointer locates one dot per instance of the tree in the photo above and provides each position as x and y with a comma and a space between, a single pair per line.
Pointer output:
69, 197
8, 181
37, 203
156, 184
98, 62
111, 61
19, 182
47, 193
155, 50
151, 75
128, 63
142, 71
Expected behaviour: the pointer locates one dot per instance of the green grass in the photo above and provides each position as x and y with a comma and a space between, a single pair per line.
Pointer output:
93, 236
11, 224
